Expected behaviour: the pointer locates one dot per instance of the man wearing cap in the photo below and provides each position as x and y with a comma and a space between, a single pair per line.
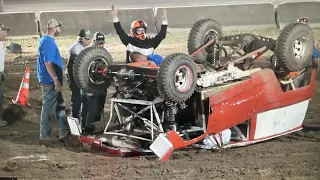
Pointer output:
83, 40
93, 104
50, 73
3, 34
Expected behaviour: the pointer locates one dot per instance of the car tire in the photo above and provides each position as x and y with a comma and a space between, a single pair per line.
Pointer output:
199, 34
88, 59
299, 56
168, 87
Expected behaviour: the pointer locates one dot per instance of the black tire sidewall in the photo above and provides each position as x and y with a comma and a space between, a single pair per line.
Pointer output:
286, 57
197, 34
81, 70
166, 79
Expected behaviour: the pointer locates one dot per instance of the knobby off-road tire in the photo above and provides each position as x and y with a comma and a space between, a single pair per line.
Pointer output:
291, 57
169, 86
83, 67
198, 36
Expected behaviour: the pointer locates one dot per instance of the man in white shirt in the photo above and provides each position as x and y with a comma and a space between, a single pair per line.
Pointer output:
3, 34
83, 40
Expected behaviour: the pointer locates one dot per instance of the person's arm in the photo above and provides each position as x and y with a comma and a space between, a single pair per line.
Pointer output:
116, 23
70, 63
51, 71
74, 52
49, 58
163, 31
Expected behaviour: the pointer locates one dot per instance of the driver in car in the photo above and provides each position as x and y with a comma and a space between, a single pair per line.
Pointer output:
138, 41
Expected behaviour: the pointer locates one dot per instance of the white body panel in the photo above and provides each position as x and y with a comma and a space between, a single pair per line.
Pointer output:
280, 120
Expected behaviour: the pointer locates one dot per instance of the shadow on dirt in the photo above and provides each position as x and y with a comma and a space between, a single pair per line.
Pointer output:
14, 113
308, 129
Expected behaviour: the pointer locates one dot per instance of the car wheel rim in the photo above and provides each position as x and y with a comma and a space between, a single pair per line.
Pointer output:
209, 35
183, 78
299, 48
94, 66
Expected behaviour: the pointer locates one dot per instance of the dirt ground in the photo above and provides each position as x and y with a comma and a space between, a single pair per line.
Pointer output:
294, 156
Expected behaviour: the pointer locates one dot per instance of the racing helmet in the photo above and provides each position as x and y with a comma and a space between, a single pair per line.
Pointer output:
303, 20
135, 32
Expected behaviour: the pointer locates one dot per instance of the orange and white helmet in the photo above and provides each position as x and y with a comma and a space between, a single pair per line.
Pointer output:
138, 29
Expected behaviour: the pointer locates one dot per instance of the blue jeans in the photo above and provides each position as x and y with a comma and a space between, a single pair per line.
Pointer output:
53, 107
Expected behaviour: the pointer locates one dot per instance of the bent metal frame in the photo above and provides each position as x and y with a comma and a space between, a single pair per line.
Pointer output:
152, 124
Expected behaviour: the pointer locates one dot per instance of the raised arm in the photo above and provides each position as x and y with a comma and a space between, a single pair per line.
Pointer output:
121, 33
163, 31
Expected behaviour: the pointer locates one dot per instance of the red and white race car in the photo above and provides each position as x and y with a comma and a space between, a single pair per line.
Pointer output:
216, 97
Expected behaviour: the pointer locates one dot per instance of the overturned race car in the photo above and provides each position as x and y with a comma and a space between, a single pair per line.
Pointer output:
215, 97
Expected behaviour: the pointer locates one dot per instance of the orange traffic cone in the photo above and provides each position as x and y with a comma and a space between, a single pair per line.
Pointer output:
23, 95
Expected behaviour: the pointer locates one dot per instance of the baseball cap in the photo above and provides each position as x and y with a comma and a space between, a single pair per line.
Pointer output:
99, 37
85, 33
3, 28
54, 23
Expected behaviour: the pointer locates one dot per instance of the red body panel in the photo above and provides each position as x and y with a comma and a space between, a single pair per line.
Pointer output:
244, 101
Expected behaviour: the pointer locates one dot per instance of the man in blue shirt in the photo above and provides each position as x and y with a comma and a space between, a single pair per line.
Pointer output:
138, 57
50, 73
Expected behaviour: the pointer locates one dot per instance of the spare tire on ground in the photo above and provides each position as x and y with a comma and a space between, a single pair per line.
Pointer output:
202, 32
87, 62
294, 47
177, 78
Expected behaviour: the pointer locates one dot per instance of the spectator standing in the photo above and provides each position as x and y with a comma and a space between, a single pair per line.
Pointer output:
83, 40
50, 74
3, 34
93, 104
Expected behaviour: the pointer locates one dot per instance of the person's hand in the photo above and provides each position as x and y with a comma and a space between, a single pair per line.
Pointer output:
57, 85
114, 11
164, 14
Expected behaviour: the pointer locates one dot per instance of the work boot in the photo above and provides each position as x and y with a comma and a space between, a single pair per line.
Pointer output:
3, 123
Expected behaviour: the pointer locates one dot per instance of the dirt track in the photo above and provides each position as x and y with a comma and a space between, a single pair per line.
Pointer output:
294, 156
